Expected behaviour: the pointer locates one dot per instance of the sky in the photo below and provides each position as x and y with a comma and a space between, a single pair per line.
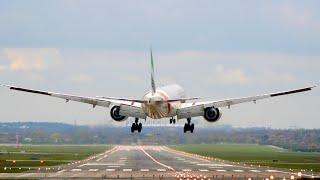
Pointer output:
214, 49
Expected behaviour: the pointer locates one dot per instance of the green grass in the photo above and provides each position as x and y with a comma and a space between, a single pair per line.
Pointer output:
257, 155
29, 156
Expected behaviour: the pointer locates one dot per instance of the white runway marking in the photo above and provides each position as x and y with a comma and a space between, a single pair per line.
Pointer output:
102, 158
61, 171
101, 164
161, 170
113, 166
238, 170
127, 170
154, 160
215, 167
203, 170
223, 165
26, 175
253, 170
110, 170
76, 170
123, 158
221, 170
144, 170
274, 171
93, 170
186, 170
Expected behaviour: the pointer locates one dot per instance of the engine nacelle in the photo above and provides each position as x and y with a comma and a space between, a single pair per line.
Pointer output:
212, 114
114, 113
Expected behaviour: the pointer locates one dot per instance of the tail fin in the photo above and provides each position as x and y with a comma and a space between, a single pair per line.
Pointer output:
153, 85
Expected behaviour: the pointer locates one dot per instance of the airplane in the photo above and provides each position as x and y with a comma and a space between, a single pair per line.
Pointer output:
163, 102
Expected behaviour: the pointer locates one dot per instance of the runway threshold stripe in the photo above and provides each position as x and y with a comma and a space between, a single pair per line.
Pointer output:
26, 175
113, 166
238, 170
76, 170
93, 170
273, 171
203, 170
186, 170
221, 170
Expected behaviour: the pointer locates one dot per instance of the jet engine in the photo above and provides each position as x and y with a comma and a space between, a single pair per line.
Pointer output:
114, 113
212, 114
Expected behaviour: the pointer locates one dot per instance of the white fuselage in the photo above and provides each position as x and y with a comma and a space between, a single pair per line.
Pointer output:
156, 104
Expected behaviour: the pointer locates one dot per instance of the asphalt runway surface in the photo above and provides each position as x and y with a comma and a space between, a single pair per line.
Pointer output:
155, 162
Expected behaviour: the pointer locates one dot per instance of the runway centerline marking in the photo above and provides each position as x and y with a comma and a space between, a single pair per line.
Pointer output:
144, 170
158, 162
127, 170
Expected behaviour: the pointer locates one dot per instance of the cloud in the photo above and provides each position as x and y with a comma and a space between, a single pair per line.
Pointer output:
298, 16
31, 59
2, 68
229, 76
272, 77
82, 78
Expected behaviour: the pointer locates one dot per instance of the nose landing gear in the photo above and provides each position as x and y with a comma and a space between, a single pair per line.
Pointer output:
172, 120
188, 126
135, 126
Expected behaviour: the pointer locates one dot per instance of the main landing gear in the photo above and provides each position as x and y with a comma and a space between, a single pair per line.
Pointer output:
188, 126
135, 126
172, 120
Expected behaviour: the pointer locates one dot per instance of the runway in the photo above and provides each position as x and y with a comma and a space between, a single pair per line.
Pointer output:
154, 162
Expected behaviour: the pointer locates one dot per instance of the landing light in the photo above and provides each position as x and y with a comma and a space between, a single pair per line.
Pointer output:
299, 174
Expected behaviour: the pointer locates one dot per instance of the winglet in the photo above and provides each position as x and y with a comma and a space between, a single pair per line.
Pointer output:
153, 85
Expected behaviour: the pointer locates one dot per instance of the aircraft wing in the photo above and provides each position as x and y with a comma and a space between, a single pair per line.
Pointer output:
197, 108
89, 100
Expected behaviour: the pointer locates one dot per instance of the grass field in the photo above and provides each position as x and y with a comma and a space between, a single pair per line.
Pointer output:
257, 155
19, 159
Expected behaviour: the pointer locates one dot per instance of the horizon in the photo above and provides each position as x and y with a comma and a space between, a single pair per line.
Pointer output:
215, 51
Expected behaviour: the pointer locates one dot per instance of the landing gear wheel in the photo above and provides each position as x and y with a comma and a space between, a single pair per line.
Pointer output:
191, 128
136, 126
172, 120
185, 128
139, 128
133, 127
188, 126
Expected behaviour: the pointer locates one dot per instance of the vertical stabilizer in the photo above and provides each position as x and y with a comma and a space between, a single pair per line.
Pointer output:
153, 85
